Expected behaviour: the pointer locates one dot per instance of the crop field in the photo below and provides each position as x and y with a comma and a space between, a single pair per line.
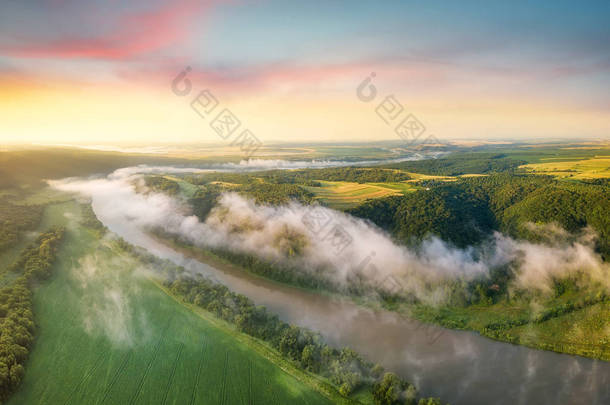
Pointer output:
594, 168
415, 177
342, 194
107, 334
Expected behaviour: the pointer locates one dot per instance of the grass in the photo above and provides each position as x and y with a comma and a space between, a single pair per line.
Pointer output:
415, 177
403, 187
8, 256
107, 334
584, 332
186, 189
343, 194
594, 168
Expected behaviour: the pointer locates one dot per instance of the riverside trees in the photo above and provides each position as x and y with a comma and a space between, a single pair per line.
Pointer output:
16, 318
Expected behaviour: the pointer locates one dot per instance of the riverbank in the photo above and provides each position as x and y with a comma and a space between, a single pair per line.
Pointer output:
575, 329
321, 385
107, 333
460, 366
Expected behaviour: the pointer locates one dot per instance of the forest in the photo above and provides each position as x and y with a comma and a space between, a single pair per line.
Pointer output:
307, 177
14, 219
465, 212
162, 185
462, 163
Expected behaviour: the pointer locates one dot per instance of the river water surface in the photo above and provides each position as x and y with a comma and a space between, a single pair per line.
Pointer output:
460, 367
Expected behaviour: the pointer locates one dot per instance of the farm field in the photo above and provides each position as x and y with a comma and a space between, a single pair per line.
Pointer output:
108, 335
343, 195
594, 168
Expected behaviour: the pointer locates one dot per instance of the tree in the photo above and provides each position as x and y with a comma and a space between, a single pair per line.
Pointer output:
310, 358
429, 401
389, 391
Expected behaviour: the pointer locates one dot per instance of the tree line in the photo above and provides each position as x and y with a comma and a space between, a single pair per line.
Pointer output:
344, 368
17, 326
462, 163
307, 177
14, 219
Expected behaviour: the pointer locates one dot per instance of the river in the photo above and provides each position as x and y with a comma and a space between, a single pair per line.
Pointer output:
460, 367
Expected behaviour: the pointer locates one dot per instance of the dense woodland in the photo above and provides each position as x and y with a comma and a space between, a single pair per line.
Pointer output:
465, 212
162, 185
351, 174
16, 318
261, 192
462, 163
15, 219
307, 177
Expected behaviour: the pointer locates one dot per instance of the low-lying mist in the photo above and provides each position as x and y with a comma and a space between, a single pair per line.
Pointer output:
347, 250
107, 293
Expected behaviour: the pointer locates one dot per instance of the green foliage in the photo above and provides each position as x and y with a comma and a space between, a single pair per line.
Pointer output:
204, 200
349, 174
177, 356
15, 219
261, 191
345, 368
162, 185
467, 211
16, 318
391, 390
447, 212
303, 177
276, 194
462, 163
89, 219
429, 401
206, 178
277, 271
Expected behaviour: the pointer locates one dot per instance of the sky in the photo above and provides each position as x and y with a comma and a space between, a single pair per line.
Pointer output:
90, 72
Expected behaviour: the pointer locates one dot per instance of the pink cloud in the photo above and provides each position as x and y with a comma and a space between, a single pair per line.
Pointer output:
132, 35
291, 75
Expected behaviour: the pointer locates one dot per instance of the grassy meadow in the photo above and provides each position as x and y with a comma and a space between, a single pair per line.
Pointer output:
582, 332
595, 168
107, 334
343, 194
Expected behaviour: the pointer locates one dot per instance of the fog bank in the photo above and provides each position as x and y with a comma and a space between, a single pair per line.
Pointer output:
346, 250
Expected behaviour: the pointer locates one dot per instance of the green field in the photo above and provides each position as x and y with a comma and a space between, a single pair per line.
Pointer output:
595, 168
583, 332
107, 334
343, 194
